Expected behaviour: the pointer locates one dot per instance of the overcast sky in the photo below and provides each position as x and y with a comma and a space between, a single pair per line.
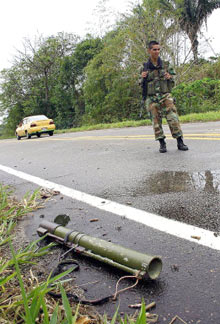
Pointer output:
28, 18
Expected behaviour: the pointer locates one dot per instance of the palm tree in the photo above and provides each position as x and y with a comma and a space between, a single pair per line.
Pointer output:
191, 14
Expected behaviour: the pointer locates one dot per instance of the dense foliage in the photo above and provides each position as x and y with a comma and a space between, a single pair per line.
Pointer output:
197, 96
46, 79
95, 80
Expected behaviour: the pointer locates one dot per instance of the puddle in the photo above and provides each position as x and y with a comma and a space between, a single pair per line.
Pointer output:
180, 181
62, 219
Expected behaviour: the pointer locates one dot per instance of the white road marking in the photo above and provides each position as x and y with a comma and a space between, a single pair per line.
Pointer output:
169, 226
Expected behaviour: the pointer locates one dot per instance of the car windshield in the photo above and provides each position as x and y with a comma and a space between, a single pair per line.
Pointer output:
35, 118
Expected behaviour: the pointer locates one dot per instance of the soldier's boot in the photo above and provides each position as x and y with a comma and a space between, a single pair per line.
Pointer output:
163, 147
181, 146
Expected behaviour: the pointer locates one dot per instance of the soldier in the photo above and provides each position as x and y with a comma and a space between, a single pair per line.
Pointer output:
157, 83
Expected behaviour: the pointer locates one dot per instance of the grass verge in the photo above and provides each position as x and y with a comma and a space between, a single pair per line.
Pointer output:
200, 117
23, 297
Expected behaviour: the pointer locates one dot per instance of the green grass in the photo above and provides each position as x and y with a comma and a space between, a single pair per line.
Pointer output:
128, 123
11, 211
23, 299
28, 303
200, 117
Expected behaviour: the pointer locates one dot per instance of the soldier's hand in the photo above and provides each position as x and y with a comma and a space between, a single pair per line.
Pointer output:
144, 74
167, 76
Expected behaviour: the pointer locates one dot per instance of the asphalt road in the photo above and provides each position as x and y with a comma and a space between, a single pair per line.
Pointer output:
124, 166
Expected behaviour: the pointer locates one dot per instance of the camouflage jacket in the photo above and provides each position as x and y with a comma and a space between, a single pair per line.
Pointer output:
155, 84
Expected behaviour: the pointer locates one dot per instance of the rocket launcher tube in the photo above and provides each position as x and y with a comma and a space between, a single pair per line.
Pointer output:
126, 259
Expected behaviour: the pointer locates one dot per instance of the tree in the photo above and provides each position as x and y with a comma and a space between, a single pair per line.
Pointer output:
47, 78
191, 15
42, 60
111, 88
67, 94
84, 52
27, 87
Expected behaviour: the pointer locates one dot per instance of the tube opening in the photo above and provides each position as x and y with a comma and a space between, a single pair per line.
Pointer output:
154, 268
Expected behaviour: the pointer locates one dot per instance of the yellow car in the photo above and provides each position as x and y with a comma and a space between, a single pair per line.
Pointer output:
35, 125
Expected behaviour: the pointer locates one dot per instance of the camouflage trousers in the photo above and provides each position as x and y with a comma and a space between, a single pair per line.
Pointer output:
163, 106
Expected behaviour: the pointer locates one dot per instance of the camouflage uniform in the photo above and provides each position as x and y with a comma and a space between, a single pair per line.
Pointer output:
159, 101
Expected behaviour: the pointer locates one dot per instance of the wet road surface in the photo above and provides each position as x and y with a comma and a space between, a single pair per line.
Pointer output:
180, 185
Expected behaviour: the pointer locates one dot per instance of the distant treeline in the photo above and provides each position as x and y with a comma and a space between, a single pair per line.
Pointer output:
95, 80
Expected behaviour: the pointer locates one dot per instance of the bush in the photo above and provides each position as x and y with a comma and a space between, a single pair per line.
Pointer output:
198, 96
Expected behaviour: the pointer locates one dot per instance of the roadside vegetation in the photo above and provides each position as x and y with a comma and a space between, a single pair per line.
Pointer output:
23, 294
194, 117
92, 83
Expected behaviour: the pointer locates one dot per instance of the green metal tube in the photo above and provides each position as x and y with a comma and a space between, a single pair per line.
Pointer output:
127, 258
114, 264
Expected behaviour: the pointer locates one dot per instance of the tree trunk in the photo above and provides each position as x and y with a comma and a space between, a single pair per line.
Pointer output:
47, 106
46, 86
194, 43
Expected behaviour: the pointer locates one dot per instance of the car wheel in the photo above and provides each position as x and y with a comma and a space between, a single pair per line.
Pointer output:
51, 133
18, 137
28, 135
38, 134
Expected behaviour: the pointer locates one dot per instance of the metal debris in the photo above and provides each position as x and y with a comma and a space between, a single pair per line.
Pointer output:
140, 265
